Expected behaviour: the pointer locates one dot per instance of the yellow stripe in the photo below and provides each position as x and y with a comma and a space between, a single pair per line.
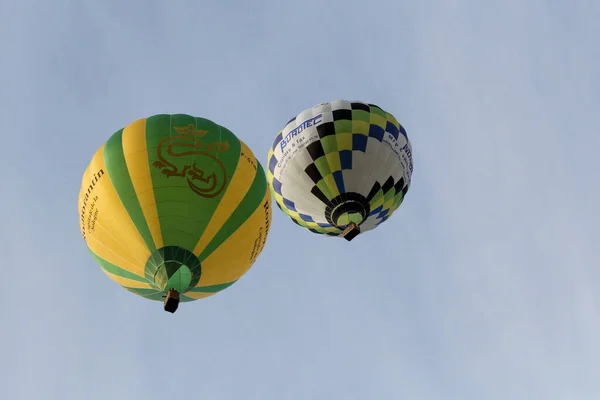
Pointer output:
237, 189
333, 159
279, 199
236, 255
109, 231
344, 140
392, 119
268, 170
330, 182
360, 127
378, 203
378, 120
388, 203
136, 157
197, 296
270, 154
128, 283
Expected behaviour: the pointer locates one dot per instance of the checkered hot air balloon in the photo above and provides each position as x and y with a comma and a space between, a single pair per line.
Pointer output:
174, 207
340, 168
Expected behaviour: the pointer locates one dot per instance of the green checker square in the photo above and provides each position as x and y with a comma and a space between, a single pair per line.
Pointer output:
322, 185
378, 111
379, 121
343, 126
397, 201
389, 195
330, 182
347, 218
329, 144
322, 166
378, 198
361, 115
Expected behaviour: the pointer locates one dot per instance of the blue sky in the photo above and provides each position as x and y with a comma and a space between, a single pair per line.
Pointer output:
482, 286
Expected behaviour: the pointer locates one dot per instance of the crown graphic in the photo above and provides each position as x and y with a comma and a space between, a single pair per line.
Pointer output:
190, 130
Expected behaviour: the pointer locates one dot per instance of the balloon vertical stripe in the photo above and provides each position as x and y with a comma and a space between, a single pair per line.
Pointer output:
118, 173
184, 178
108, 228
241, 248
136, 158
250, 203
242, 181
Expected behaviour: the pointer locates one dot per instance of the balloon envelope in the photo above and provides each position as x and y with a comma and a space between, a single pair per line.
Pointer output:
340, 167
174, 202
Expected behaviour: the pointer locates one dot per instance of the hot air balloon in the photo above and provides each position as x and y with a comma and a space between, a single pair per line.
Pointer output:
174, 208
340, 168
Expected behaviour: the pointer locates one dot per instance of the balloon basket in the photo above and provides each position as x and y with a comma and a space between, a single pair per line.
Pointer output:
351, 231
171, 301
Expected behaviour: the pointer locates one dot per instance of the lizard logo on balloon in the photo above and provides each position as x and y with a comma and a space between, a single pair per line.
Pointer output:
206, 175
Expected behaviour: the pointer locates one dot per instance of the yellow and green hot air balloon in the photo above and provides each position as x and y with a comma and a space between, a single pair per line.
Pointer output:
174, 208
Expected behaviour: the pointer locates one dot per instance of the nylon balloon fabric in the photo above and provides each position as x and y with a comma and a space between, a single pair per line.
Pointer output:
174, 202
340, 163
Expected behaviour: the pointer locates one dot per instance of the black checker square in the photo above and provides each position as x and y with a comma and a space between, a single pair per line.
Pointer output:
320, 195
388, 185
399, 186
376, 187
342, 115
313, 173
315, 149
326, 129
361, 106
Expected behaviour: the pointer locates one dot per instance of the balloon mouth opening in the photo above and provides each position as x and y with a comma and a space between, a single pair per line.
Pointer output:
347, 209
173, 269
348, 212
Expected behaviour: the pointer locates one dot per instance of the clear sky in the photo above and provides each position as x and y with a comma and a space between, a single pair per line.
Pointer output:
483, 285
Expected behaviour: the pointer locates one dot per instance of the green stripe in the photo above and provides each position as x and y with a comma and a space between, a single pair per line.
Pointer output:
397, 201
329, 143
116, 167
360, 115
377, 110
115, 270
184, 214
212, 288
324, 187
185, 299
323, 166
378, 196
152, 294
389, 195
251, 201
342, 126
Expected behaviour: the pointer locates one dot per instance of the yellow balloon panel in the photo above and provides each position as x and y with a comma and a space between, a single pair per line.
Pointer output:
105, 224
